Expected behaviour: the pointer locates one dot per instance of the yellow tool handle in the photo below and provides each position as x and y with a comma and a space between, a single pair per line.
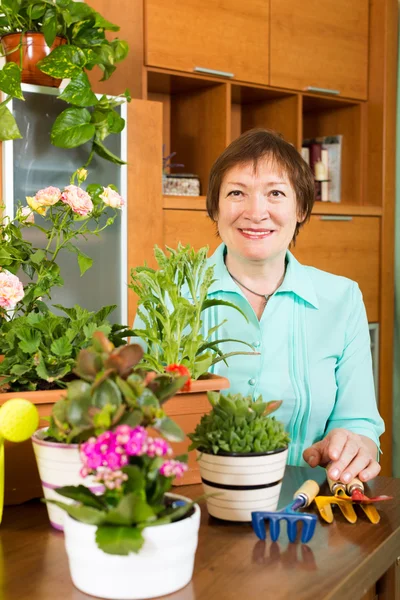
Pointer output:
308, 490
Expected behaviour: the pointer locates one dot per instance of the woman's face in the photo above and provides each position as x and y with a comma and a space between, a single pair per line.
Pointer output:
257, 211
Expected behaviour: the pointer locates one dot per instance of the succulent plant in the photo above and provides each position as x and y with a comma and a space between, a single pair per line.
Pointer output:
110, 391
238, 425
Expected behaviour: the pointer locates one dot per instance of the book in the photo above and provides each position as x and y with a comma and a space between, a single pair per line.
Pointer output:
333, 145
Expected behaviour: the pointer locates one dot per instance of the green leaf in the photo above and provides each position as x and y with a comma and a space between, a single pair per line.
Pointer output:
64, 62
79, 92
120, 48
84, 514
8, 125
170, 430
105, 153
10, 80
82, 494
107, 393
49, 27
30, 340
119, 540
131, 509
72, 128
84, 262
135, 481
38, 256
61, 347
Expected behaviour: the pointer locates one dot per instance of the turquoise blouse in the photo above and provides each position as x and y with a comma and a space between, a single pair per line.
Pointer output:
314, 352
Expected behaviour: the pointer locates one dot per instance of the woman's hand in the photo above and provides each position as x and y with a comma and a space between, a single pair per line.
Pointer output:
351, 455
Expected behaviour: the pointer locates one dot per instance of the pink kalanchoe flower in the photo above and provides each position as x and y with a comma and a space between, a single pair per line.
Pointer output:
48, 196
173, 468
137, 443
79, 200
158, 447
112, 198
11, 290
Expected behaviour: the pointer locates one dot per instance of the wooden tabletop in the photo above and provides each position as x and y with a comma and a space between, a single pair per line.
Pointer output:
341, 560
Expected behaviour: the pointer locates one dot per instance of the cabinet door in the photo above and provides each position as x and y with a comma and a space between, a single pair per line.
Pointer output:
348, 247
320, 44
227, 36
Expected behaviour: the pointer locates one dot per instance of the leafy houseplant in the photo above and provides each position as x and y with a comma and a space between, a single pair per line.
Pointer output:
83, 31
172, 299
238, 425
242, 454
39, 347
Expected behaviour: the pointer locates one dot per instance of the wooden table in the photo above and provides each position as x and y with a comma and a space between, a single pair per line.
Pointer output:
342, 561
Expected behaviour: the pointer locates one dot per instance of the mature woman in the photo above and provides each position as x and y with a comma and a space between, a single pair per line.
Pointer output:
309, 327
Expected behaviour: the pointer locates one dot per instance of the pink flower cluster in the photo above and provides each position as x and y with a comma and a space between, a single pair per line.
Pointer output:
11, 290
105, 455
79, 200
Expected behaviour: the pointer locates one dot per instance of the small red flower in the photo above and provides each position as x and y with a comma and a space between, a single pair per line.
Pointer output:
181, 371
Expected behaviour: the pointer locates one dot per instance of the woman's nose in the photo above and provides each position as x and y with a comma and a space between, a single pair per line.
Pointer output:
257, 208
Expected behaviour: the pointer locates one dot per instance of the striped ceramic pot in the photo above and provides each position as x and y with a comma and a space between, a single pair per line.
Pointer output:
58, 465
242, 483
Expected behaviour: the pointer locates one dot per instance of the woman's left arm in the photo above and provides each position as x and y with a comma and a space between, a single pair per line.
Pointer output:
353, 429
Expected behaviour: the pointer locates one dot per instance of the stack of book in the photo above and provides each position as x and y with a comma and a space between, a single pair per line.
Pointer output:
323, 155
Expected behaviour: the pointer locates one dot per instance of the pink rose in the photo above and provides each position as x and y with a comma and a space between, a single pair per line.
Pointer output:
79, 200
11, 290
48, 196
112, 198
25, 214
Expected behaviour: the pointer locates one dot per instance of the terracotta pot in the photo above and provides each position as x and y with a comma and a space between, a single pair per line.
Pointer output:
22, 481
34, 48
186, 409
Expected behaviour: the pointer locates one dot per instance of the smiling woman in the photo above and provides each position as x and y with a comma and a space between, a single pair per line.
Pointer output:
309, 326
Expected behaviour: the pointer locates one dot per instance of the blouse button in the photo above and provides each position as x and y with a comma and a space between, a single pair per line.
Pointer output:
257, 344
252, 381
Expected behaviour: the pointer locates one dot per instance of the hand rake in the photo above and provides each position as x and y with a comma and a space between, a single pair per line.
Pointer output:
303, 497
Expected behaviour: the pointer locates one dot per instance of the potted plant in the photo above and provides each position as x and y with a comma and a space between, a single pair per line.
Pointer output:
44, 42
109, 391
242, 453
38, 347
133, 524
172, 301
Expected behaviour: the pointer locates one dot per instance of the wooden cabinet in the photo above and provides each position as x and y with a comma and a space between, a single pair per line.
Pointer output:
320, 44
228, 36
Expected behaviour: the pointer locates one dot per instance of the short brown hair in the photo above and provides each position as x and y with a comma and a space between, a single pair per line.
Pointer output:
253, 146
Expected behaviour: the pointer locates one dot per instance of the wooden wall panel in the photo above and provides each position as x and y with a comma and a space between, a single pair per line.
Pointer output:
144, 186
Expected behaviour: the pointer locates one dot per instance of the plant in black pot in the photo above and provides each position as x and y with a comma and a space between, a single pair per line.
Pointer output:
44, 42
242, 453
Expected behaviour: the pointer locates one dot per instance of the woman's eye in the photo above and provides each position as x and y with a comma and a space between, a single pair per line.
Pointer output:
235, 193
277, 193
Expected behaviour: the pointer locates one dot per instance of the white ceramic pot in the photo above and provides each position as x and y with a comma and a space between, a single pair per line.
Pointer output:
244, 483
163, 565
59, 464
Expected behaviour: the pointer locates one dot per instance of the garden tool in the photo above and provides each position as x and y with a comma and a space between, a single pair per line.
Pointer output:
303, 497
354, 492
19, 419
340, 498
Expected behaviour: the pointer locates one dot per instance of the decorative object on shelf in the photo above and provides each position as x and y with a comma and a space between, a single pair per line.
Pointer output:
108, 391
73, 42
18, 420
242, 453
323, 155
182, 184
40, 347
172, 300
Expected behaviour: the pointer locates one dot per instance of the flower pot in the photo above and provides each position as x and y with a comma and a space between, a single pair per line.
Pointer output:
186, 409
33, 49
244, 482
59, 464
22, 481
163, 565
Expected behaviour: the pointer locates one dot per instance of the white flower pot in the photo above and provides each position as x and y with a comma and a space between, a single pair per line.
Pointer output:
244, 483
59, 464
163, 565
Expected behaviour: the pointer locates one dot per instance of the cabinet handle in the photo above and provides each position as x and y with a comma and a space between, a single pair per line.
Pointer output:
213, 72
336, 218
311, 88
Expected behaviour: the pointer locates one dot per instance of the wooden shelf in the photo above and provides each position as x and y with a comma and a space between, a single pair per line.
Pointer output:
320, 208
